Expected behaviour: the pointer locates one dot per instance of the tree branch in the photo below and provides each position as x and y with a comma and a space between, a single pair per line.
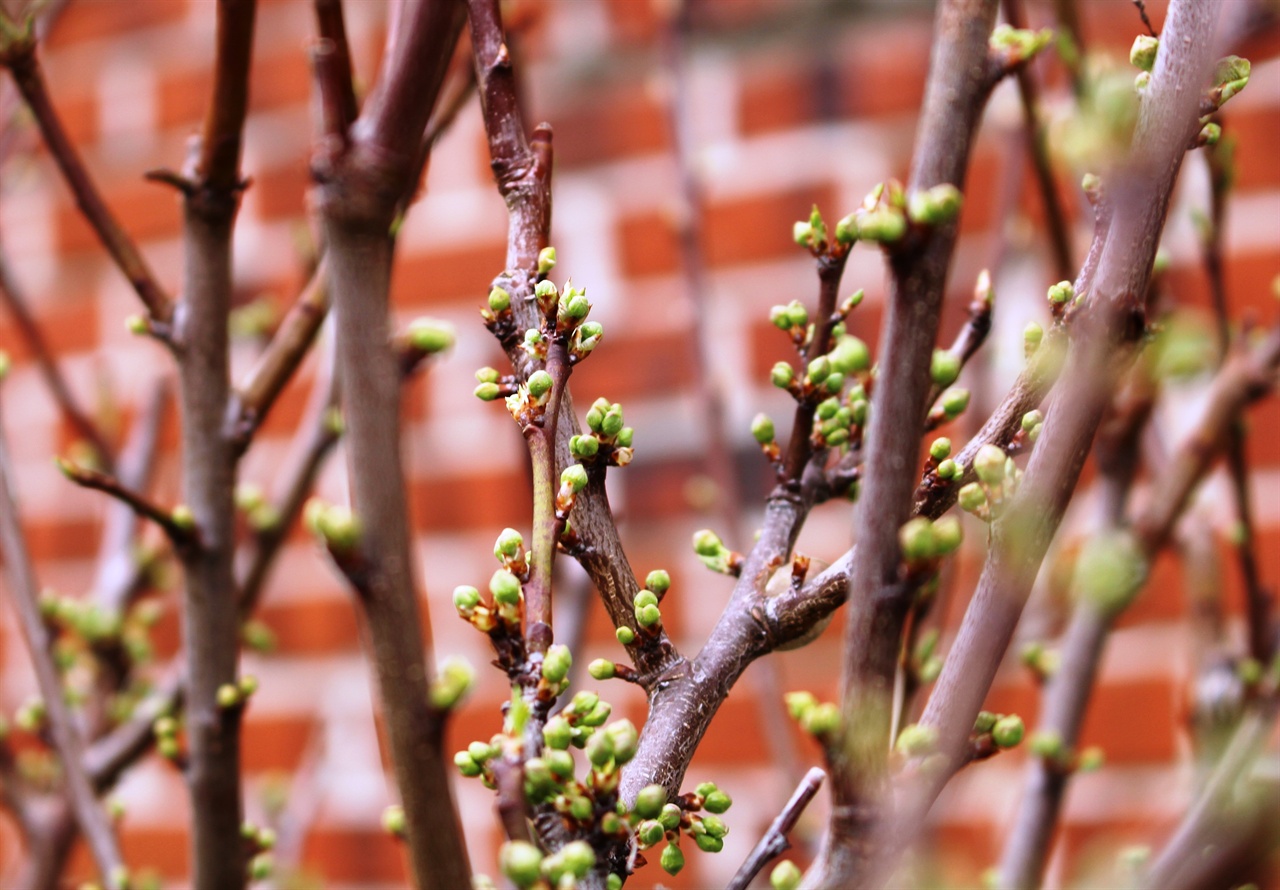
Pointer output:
775, 841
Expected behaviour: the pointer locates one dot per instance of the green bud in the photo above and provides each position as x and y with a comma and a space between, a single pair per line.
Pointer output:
556, 663
850, 356
936, 206
670, 817
708, 844
949, 470
1062, 292
182, 517
1091, 759
940, 448
580, 809
584, 702
972, 498
259, 868
611, 425
1031, 420
954, 401
819, 369
228, 695
505, 588
539, 384
578, 858
521, 861
847, 229
648, 616
1230, 77
714, 826
1047, 744
799, 703
762, 429
584, 447
822, 719
599, 749
1143, 52
802, 233
393, 821
574, 477
509, 544
1008, 731
782, 375
917, 540
613, 882
649, 832
625, 437
1110, 570
717, 802
883, 225
499, 300
989, 464
944, 367
625, 635
557, 733
650, 801
560, 762
546, 260
947, 535
602, 669
707, 543
1032, 335
786, 875
452, 682
487, 392
644, 598
481, 752
658, 581
916, 740
797, 315
626, 740
465, 599
574, 307
672, 859
137, 325
431, 335
780, 318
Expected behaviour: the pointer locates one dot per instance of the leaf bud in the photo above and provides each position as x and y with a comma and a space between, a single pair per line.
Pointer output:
850, 356
487, 391
944, 367
519, 860
954, 401
1061, 293
780, 318
799, 703
624, 437
1008, 731
717, 802
1091, 759
556, 664
560, 762
786, 875
1047, 744
626, 740
182, 517
822, 719
557, 733
672, 859
649, 832
650, 801
971, 498
708, 844
797, 315
539, 384
578, 858
481, 752
985, 722
431, 335
612, 422
916, 740
707, 543
584, 447
782, 375
574, 477
658, 581
645, 598
670, 817
1230, 77
509, 544
883, 225
546, 260
833, 382
452, 682
948, 470
936, 206
802, 233
819, 370
505, 587
574, 306
602, 669
137, 325
1031, 420
648, 615
947, 535
989, 464
626, 636
228, 695
393, 820
1032, 335
465, 599
940, 448
499, 299
1143, 52
1110, 570
762, 429
847, 229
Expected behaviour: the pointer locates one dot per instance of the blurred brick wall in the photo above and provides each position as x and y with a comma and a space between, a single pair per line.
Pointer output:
793, 103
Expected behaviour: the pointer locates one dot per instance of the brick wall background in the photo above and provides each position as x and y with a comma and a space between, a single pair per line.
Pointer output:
792, 103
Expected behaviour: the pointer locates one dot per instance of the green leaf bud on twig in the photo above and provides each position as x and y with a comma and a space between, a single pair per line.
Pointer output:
648, 615
947, 535
557, 733
137, 325
452, 682
650, 801
626, 740
672, 859
782, 375
916, 740
847, 229
578, 858
467, 767
499, 299
539, 384
883, 225
574, 306
1008, 731
602, 669
624, 437
650, 832
393, 821
1031, 420
940, 448
1229, 77
707, 543
935, 206
658, 581
786, 875
505, 587
944, 368
487, 391
917, 540
802, 233
948, 470
819, 370
1210, 134
670, 817
850, 356
762, 429
1142, 54
645, 598
546, 260
799, 703
1047, 744
248, 686
599, 749
954, 402
1091, 759
1032, 336
612, 422
182, 517
1110, 570
985, 722
717, 802
521, 861
228, 695
822, 719
584, 447
465, 599
989, 464
972, 498
708, 844
574, 478
1061, 293
556, 664
625, 635
431, 335
509, 544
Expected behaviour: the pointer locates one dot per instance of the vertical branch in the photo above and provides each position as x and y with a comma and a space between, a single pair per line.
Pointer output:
66, 736
211, 189
361, 177
955, 96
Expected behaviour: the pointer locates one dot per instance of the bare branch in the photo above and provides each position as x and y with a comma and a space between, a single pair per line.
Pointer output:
775, 841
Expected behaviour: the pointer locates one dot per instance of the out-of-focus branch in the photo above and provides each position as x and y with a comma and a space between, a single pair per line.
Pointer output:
955, 95
775, 841
65, 734
18, 54
182, 534
362, 177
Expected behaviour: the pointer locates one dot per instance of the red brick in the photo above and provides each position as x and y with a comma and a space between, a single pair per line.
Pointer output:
351, 855
94, 21
758, 228
283, 78
459, 276
1263, 441
648, 245
275, 742
878, 80
1135, 721
624, 122
634, 366
634, 21
313, 626
777, 99
183, 98
144, 209
1255, 131
281, 193
52, 539
490, 499
67, 326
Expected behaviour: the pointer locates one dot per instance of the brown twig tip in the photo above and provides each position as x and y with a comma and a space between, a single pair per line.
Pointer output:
775, 840
176, 523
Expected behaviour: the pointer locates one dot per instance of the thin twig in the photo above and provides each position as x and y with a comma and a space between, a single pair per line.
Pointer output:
182, 535
65, 735
775, 841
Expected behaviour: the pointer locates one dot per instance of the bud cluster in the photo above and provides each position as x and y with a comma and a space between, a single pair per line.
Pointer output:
337, 527
1002, 730
998, 478
924, 541
645, 603
608, 439
820, 719
1013, 46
